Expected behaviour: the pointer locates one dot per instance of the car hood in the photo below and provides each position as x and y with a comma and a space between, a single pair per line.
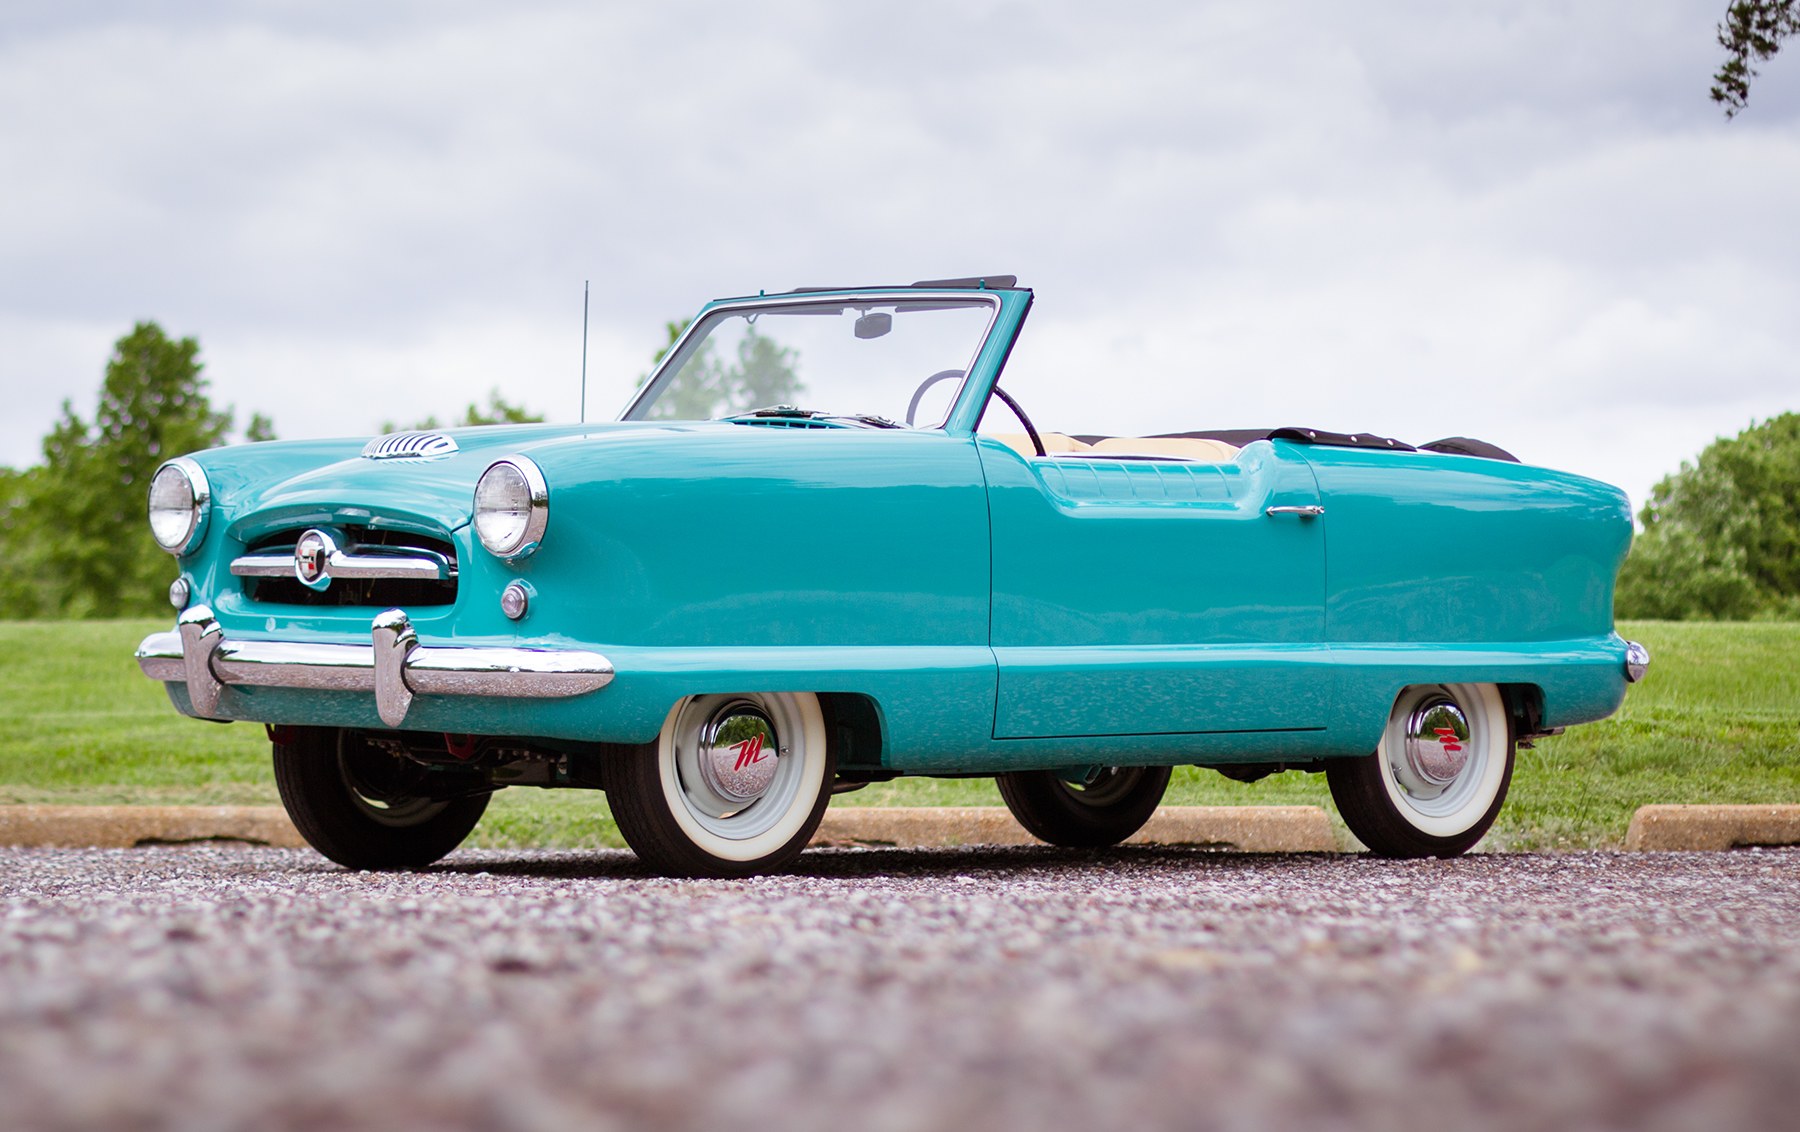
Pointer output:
263, 488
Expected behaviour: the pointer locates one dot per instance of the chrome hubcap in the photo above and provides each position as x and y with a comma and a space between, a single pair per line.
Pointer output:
739, 762
739, 752
1436, 745
1445, 757
1438, 750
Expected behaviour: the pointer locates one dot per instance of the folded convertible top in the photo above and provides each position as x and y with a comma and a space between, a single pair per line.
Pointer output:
1450, 445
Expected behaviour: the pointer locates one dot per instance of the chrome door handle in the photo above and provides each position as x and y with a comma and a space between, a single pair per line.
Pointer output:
1309, 511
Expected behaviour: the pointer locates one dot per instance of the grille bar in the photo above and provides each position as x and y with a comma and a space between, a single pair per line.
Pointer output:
412, 564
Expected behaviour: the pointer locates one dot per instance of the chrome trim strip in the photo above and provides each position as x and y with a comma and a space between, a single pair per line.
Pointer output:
414, 563
263, 566
393, 665
296, 664
159, 655
474, 671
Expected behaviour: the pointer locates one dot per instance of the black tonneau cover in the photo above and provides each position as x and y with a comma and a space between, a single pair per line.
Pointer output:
1451, 445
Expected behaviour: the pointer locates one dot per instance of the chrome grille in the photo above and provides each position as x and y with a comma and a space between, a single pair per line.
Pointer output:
267, 573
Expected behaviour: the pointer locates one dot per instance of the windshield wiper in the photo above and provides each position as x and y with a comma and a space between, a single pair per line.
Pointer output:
868, 419
794, 412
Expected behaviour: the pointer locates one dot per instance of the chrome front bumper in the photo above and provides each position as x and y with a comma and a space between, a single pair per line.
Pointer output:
393, 665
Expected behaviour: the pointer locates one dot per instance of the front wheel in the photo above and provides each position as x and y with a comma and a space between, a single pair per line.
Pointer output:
1436, 782
734, 784
1104, 811
363, 807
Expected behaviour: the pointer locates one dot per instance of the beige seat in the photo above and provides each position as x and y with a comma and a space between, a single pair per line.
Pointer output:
1053, 442
1181, 447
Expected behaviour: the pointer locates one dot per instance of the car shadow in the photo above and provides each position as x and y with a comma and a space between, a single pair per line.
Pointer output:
883, 862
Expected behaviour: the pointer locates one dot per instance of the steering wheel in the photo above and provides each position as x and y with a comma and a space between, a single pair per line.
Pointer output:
912, 407
1037, 442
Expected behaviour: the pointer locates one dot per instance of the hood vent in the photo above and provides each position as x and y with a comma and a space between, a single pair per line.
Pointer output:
409, 446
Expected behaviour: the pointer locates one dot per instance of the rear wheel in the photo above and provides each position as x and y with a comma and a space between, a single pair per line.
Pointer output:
1437, 781
1104, 811
363, 807
734, 785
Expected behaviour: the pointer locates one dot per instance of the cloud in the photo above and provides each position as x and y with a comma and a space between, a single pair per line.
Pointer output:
1518, 220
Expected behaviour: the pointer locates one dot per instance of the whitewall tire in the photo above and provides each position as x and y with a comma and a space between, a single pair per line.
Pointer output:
733, 785
1438, 778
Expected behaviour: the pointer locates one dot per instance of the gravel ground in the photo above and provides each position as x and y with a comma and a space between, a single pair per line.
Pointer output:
225, 988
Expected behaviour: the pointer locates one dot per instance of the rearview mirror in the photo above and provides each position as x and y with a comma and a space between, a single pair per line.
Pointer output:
874, 324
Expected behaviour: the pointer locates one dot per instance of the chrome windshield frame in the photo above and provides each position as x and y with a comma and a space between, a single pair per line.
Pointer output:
690, 338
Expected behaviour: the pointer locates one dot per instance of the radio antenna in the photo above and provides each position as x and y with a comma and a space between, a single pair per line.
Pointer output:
584, 322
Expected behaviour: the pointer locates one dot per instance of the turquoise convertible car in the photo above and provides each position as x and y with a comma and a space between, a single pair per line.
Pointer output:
823, 547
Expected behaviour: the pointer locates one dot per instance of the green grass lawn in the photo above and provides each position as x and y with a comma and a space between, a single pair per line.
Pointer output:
1717, 720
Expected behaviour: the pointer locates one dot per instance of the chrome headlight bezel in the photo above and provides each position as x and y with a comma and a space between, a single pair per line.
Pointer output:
530, 490
198, 509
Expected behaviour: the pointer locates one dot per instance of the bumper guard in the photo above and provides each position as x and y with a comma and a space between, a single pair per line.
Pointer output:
393, 665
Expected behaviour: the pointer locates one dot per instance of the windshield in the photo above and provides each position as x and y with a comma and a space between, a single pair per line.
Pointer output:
879, 361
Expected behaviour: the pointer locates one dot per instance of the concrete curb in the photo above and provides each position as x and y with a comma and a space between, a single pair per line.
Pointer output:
122, 827
1249, 829
1700, 828
1244, 829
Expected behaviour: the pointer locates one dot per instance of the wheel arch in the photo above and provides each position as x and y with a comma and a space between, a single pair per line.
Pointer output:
1525, 707
854, 729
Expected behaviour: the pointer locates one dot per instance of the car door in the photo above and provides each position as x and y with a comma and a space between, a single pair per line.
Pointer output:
1156, 596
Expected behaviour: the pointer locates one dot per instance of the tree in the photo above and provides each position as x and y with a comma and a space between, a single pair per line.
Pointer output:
1721, 537
497, 411
1752, 33
675, 330
761, 374
18, 596
73, 537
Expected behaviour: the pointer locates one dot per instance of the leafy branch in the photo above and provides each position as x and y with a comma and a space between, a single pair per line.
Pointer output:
1752, 33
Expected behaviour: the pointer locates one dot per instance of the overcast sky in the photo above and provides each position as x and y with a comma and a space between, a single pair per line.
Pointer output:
1514, 220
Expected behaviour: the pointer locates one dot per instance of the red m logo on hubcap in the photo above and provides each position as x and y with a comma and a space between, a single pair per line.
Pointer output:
1447, 736
749, 752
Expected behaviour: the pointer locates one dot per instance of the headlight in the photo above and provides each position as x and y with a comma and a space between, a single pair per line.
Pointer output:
179, 500
512, 504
